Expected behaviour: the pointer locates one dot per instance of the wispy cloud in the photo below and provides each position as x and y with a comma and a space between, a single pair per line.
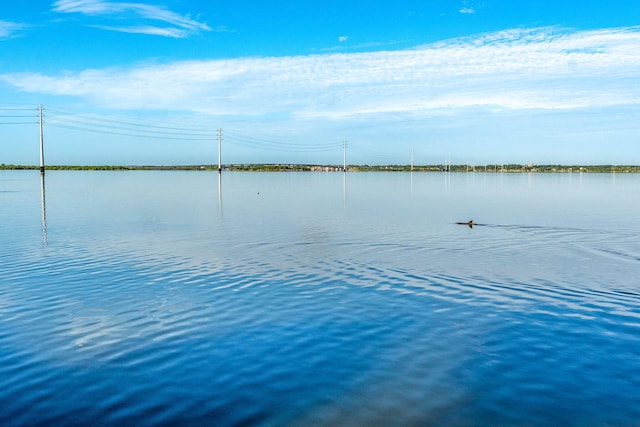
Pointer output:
137, 18
542, 68
470, 7
10, 29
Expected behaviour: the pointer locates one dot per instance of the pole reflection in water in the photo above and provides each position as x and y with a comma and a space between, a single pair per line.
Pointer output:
447, 180
220, 195
43, 202
344, 188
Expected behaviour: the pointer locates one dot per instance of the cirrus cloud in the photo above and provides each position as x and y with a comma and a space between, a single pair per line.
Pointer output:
543, 68
10, 29
138, 18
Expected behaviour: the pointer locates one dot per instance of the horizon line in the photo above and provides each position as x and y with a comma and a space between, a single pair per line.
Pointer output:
435, 166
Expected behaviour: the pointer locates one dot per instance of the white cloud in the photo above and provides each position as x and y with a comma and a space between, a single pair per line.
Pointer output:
467, 10
343, 39
157, 20
10, 29
149, 30
517, 69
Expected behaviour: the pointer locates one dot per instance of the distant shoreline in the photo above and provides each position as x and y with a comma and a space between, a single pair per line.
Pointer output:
288, 167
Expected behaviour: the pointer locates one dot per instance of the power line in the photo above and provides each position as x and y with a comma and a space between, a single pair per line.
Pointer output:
18, 109
91, 118
370, 152
92, 123
87, 123
17, 113
108, 132
273, 145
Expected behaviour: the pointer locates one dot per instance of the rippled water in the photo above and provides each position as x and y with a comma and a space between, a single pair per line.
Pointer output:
160, 298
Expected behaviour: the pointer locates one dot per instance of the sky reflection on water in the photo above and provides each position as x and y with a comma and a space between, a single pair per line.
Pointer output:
305, 299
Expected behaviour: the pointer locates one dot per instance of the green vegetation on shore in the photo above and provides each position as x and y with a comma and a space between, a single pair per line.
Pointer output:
509, 168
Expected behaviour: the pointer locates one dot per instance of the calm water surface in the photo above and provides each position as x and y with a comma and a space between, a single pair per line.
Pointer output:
163, 298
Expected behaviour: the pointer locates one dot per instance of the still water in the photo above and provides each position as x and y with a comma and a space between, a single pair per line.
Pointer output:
319, 299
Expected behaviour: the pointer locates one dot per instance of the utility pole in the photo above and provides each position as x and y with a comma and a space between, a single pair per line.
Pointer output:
344, 147
41, 142
219, 150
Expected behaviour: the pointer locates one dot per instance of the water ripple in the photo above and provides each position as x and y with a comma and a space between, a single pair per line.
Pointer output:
275, 317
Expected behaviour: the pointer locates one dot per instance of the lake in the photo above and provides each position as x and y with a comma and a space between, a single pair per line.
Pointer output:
319, 299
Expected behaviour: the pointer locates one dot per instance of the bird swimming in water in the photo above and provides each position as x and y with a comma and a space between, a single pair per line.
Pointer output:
469, 223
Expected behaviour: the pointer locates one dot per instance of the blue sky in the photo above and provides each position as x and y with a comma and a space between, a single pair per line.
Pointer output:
486, 81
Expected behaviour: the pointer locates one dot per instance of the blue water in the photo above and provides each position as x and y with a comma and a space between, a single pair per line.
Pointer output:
319, 299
